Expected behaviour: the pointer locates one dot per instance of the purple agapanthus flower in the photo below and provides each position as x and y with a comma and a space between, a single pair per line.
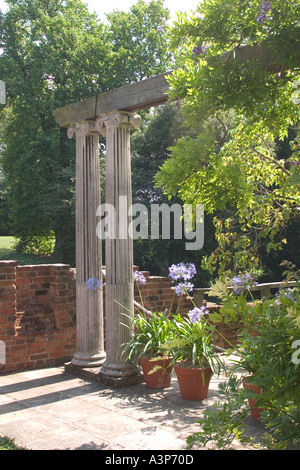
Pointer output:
242, 282
265, 7
93, 283
197, 313
139, 277
287, 293
182, 271
183, 288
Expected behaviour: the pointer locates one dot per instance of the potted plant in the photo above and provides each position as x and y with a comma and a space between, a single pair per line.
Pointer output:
194, 356
150, 331
254, 392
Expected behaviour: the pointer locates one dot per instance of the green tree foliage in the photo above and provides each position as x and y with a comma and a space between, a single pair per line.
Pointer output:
139, 40
150, 149
159, 131
56, 53
256, 101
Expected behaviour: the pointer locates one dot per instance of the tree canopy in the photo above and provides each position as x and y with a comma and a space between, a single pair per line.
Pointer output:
256, 104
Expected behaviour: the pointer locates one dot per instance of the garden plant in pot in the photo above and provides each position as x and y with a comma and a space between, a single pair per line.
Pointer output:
194, 355
250, 360
150, 331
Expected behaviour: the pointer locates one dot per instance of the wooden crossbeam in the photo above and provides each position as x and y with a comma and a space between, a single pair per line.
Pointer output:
134, 97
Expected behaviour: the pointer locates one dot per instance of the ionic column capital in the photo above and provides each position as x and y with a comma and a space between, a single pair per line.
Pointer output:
117, 119
81, 128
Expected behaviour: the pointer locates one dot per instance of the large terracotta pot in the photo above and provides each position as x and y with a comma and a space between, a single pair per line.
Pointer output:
161, 377
193, 382
255, 412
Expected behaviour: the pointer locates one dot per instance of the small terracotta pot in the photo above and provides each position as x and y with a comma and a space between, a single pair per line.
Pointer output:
255, 412
190, 381
160, 378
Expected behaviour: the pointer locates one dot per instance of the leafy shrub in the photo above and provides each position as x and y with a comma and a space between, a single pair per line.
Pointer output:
268, 350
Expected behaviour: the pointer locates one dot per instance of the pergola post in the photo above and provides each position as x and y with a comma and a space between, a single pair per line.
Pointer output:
89, 303
119, 288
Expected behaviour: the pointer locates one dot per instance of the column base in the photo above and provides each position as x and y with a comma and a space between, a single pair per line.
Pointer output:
118, 369
95, 375
118, 382
88, 360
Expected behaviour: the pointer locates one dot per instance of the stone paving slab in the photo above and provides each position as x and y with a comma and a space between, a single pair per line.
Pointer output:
48, 409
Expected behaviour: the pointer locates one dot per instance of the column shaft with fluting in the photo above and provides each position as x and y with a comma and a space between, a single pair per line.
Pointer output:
89, 303
119, 288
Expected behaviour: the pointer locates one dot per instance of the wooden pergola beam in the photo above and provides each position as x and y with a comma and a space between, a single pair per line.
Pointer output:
134, 97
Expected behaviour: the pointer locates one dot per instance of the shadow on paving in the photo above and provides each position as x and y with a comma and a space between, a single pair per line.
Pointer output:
114, 413
46, 398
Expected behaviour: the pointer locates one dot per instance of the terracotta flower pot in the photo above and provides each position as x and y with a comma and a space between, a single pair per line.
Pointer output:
255, 412
190, 380
161, 377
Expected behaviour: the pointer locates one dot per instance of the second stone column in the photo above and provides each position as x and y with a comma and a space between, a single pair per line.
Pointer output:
119, 288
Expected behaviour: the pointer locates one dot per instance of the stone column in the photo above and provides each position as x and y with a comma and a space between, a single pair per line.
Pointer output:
119, 288
89, 303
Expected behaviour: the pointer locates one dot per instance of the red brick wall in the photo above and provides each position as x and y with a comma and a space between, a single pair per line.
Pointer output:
38, 313
158, 294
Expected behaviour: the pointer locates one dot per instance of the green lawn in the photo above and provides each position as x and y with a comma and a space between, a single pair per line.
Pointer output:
6, 242
7, 252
